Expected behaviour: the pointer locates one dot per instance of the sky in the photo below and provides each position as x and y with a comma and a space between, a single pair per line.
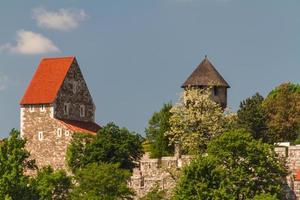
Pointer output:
135, 54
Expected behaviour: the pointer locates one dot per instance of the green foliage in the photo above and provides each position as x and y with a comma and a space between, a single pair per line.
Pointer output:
195, 120
265, 196
111, 145
13, 161
282, 107
252, 117
76, 152
205, 179
155, 194
236, 167
101, 181
155, 133
51, 185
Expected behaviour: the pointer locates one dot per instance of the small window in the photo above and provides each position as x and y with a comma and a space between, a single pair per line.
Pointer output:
82, 111
215, 91
43, 108
40, 136
75, 87
67, 133
66, 108
59, 132
31, 108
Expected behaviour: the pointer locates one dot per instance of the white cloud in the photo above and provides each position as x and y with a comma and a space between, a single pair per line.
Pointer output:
63, 19
30, 43
3, 81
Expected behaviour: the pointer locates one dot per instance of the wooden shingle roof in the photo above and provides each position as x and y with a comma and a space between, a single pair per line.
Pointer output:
205, 75
47, 80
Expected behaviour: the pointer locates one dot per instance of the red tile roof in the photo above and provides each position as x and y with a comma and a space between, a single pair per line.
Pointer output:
80, 126
297, 178
47, 80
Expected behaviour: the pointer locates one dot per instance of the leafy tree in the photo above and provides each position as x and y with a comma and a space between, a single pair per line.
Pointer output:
236, 167
51, 185
77, 150
111, 145
252, 117
282, 106
14, 159
195, 120
265, 196
101, 181
204, 178
155, 132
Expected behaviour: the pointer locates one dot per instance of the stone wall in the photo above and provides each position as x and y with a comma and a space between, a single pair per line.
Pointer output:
51, 149
156, 172
221, 96
74, 97
291, 154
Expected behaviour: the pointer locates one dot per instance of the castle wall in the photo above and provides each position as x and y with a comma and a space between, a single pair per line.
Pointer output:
51, 149
74, 98
156, 172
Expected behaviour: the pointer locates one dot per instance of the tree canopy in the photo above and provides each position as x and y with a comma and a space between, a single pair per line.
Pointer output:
236, 167
111, 145
101, 181
14, 159
252, 117
195, 120
155, 133
51, 185
282, 107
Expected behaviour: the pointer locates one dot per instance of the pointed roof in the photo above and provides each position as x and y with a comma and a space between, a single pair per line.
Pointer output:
47, 80
205, 75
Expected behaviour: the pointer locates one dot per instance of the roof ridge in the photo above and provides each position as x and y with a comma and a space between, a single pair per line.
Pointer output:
63, 57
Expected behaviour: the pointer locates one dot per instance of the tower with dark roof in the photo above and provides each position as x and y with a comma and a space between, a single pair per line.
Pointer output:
56, 104
206, 75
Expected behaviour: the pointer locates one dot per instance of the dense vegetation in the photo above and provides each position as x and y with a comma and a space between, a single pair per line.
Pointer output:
234, 157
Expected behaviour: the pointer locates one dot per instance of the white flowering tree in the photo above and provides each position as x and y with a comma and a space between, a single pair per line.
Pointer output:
195, 120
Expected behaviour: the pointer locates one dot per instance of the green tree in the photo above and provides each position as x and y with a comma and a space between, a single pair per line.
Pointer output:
252, 117
101, 181
265, 196
14, 159
77, 150
111, 145
195, 120
203, 179
282, 107
51, 185
236, 167
155, 133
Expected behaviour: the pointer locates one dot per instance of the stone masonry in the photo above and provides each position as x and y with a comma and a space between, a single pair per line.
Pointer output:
156, 172
291, 154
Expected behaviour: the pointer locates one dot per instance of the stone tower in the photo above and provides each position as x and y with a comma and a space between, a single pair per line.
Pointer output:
56, 104
205, 75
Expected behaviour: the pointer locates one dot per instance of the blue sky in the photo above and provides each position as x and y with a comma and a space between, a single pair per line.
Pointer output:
135, 54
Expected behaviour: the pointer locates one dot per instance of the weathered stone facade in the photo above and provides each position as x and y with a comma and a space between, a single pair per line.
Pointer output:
75, 93
48, 127
291, 154
156, 172
51, 148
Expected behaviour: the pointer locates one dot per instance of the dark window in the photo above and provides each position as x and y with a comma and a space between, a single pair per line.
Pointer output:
215, 91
